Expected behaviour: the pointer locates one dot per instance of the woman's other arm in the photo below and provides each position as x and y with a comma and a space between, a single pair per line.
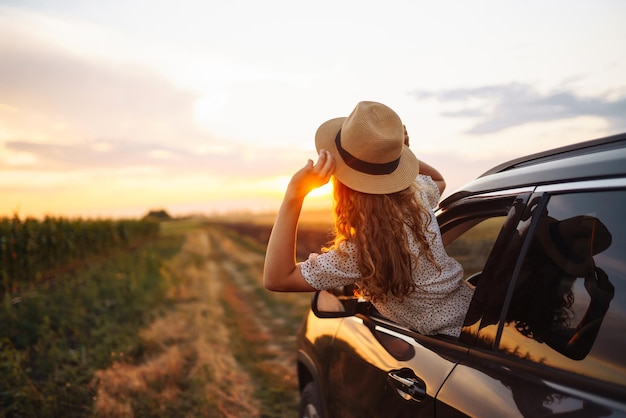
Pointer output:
434, 174
427, 169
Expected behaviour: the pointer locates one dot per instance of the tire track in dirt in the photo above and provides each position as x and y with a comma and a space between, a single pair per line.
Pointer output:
220, 352
243, 269
267, 346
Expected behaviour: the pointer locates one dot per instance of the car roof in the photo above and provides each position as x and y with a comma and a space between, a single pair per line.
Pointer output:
595, 159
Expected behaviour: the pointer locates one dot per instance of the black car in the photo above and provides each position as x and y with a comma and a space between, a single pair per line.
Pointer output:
543, 239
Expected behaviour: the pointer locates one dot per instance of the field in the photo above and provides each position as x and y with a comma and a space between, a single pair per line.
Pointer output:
146, 322
178, 325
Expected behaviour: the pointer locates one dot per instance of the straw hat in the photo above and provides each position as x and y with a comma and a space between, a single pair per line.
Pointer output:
573, 242
368, 147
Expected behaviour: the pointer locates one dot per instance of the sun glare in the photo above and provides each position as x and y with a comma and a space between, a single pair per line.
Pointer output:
279, 185
325, 190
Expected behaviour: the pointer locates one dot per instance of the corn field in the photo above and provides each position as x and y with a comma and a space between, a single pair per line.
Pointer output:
34, 250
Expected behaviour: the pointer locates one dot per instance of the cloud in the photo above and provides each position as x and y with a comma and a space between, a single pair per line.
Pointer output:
64, 110
500, 107
48, 87
233, 162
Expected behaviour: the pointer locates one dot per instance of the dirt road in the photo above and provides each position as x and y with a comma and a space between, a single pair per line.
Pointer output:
225, 349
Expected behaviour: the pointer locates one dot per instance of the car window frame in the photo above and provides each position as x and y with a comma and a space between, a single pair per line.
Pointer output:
537, 202
542, 197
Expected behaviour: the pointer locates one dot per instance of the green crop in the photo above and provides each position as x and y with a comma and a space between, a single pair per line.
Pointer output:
34, 250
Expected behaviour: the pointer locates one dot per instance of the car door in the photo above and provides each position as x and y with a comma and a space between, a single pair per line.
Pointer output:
378, 368
549, 325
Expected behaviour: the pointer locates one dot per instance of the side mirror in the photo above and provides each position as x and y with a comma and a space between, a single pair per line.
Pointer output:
334, 303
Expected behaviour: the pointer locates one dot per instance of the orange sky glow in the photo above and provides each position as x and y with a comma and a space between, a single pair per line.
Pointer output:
115, 109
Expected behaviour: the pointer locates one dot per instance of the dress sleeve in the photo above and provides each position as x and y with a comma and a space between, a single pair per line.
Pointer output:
428, 190
331, 269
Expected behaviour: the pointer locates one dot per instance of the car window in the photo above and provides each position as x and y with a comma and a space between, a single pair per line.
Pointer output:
473, 241
476, 232
568, 306
473, 245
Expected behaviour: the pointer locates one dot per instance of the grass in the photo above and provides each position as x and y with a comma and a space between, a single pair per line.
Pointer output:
276, 390
165, 330
289, 306
179, 227
189, 366
56, 336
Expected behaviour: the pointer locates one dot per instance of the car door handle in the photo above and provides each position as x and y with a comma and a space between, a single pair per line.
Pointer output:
407, 384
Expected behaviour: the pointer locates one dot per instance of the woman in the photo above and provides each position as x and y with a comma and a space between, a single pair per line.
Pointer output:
387, 240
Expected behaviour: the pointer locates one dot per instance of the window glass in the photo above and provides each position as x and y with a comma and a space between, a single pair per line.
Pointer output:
568, 308
473, 243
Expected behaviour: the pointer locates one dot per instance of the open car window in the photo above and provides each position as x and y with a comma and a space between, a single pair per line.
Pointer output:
471, 243
471, 229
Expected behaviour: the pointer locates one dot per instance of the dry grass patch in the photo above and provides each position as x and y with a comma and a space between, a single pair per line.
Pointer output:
188, 368
158, 378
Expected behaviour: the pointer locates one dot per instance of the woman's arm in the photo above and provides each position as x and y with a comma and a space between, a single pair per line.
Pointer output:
433, 173
427, 169
281, 272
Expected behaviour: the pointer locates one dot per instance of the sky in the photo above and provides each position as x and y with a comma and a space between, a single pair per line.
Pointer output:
114, 108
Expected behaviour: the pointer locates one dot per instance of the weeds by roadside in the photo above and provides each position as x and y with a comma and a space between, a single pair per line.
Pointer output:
56, 336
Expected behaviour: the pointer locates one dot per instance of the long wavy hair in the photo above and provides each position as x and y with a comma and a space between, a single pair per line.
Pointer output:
378, 224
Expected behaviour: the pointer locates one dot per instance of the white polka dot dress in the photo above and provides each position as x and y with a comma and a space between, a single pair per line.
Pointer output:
441, 301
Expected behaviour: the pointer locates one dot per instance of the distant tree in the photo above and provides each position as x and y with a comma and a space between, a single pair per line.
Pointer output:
157, 215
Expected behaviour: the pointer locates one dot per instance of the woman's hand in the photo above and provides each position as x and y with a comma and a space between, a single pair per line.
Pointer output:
600, 289
281, 273
311, 176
